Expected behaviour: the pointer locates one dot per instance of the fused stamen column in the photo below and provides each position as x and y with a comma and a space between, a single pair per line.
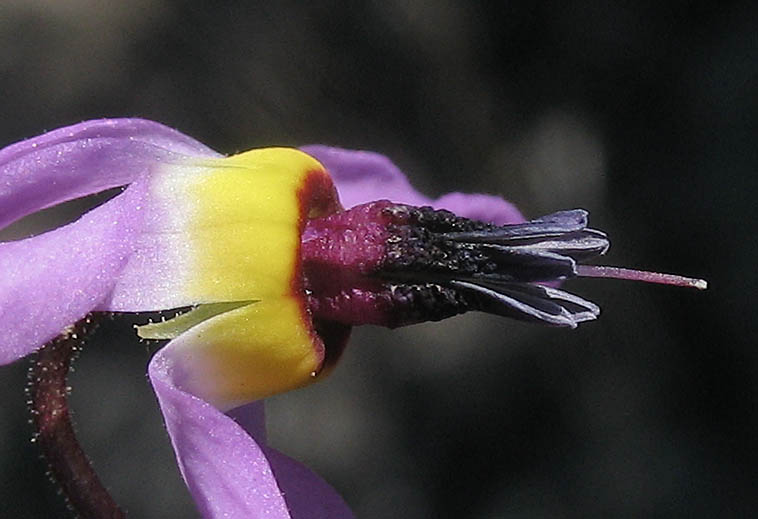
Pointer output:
393, 264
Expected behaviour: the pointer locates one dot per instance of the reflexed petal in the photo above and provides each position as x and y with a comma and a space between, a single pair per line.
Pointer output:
228, 472
223, 230
363, 176
85, 158
307, 495
239, 356
52, 280
486, 208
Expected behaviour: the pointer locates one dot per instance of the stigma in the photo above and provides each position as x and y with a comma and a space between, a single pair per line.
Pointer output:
392, 264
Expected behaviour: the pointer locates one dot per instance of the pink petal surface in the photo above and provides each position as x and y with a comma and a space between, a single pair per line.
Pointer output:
52, 280
363, 176
486, 208
307, 495
82, 159
228, 470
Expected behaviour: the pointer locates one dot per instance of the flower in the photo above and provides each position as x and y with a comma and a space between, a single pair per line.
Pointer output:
270, 274
135, 253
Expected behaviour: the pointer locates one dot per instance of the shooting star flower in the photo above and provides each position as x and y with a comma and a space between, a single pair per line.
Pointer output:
269, 273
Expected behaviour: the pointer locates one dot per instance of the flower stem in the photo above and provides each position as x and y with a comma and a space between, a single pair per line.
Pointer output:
48, 393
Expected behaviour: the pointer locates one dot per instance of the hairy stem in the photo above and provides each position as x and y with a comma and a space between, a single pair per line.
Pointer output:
48, 393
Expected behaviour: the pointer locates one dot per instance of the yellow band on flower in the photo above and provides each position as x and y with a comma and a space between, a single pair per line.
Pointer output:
248, 224
243, 236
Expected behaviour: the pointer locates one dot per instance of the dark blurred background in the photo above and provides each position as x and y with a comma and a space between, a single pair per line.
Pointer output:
642, 112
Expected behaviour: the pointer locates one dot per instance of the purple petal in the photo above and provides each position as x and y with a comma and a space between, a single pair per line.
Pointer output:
486, 208
83, 159
227, 471
363, 176
52, 280
307, 495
